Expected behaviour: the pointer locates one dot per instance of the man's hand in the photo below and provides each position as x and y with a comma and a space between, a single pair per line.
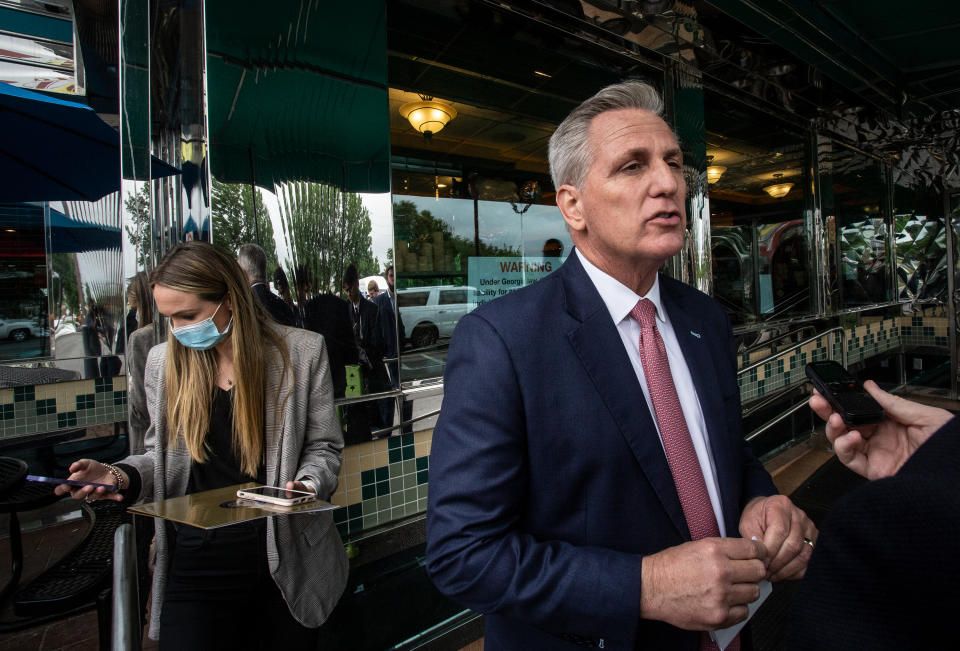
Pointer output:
879, 450
783, 529
702, 585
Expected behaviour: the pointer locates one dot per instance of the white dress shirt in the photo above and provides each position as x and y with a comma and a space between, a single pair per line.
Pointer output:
620, 301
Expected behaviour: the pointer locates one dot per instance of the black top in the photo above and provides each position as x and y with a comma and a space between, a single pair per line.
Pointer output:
222, 467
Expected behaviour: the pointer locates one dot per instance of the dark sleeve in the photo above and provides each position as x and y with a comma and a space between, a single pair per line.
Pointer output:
132, 492
344, 334
284, 313
477, 551
376, 333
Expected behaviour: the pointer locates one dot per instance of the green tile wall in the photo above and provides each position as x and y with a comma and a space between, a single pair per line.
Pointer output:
387, 492
865, 341
29, 410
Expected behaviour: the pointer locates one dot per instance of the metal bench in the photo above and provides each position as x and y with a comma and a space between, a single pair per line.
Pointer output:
81, 579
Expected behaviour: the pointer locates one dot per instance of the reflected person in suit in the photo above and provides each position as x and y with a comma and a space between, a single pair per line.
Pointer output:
329, 316
283, 288
366, 324
393, 367
92, 335
253, 261
885, 570
388, 332
589, 481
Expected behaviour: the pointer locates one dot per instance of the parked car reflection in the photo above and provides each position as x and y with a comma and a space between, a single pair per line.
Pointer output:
431, 313
18, 329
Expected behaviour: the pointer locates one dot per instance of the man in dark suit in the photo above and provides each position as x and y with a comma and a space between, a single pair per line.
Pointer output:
388, 331
885, 570
365, 321
588, 473
253, 261
328, 315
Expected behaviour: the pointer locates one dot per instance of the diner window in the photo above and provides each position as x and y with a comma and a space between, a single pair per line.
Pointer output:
761, 269
23, 283
474, 210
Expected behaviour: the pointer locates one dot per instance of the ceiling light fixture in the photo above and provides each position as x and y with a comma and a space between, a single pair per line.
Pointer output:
714, 172
428, 116
778, 190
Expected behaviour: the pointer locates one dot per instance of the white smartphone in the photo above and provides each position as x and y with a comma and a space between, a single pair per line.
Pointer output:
275, 495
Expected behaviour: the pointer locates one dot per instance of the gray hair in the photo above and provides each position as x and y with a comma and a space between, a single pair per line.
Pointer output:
569, 153
253, 261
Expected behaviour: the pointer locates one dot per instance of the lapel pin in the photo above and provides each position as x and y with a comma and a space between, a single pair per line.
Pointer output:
695, 334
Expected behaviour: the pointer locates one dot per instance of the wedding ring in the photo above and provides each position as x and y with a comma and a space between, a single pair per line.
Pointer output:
808, 541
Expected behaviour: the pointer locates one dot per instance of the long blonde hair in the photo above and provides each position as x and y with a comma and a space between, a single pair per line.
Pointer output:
140, 296
201, 269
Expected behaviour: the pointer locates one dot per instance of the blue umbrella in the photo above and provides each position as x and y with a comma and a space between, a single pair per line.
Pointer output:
72, 236
52, 149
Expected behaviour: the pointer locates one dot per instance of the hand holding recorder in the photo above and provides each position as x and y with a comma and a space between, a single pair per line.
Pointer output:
879, 450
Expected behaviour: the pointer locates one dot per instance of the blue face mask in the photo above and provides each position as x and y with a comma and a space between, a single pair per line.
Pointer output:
202, 335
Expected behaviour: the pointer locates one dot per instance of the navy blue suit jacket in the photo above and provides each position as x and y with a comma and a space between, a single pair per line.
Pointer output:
548, 482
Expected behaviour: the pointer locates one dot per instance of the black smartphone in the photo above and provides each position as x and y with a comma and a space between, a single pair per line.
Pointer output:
69, 482
844, 393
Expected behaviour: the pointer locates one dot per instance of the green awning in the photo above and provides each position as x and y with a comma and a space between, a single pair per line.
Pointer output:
298, 91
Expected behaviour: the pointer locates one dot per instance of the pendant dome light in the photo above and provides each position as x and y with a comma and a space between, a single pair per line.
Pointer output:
428, 116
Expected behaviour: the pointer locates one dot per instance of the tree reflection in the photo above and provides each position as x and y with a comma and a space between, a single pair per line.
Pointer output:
327, 229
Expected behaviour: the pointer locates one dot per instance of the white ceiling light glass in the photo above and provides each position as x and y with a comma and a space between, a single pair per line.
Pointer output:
778, 190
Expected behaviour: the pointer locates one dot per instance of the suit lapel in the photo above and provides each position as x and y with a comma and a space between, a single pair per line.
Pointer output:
597, 343
698, 346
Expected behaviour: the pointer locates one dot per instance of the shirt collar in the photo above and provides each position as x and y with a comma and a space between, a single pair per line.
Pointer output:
620, 299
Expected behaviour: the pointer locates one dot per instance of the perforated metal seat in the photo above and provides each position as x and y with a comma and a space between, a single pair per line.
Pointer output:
78, 578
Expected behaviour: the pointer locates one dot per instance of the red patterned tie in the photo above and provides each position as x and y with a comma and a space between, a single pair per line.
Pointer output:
681, 456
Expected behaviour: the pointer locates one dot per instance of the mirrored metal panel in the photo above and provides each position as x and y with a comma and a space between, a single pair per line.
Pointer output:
299, 161
921, 242
474, 208
756, 172
855, 194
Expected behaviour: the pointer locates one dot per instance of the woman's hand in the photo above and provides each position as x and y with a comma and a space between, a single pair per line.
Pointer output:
300, 486
93, 471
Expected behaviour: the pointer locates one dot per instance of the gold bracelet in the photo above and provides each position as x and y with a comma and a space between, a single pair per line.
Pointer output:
116, 475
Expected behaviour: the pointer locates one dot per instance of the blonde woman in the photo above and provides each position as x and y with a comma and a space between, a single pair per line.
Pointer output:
233, 397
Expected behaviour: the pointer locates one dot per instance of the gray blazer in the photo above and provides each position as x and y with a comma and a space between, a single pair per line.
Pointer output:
303, 440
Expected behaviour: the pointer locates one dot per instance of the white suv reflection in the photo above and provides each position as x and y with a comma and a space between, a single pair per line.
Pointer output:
431, 313
17, 329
